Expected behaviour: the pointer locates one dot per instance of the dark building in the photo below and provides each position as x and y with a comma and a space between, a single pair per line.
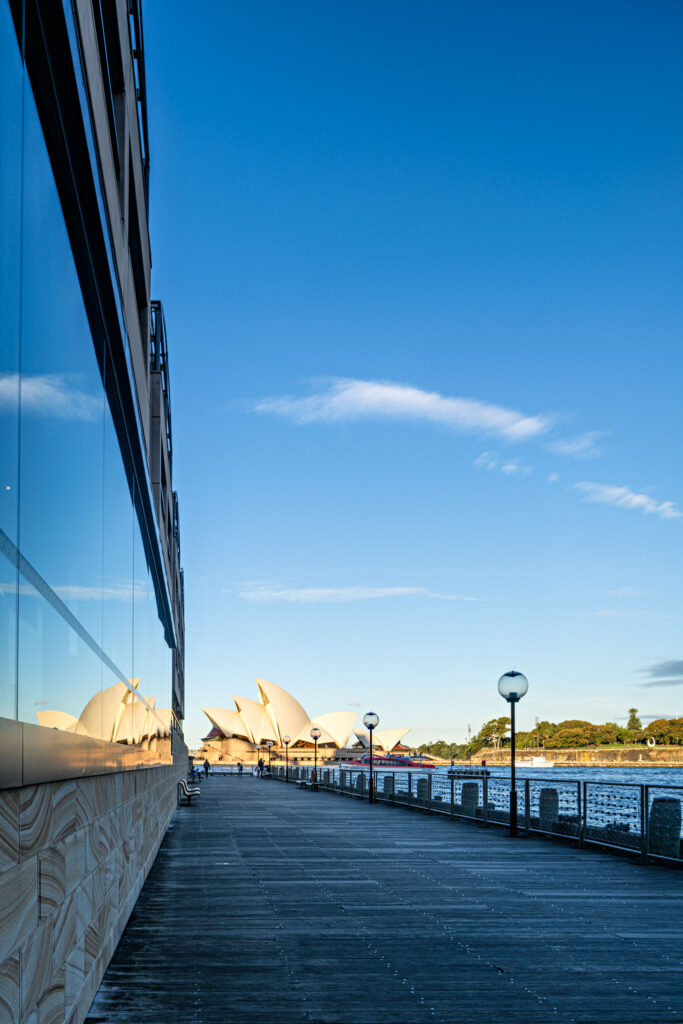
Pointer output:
91, 588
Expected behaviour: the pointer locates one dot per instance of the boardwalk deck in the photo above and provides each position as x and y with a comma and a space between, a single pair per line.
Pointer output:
274, 905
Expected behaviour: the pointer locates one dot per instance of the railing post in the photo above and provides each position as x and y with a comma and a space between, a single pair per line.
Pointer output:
429, 793
452, 796
527, 806
393, 787
644, 822
485, 809
581, 831
410, 789
584, 786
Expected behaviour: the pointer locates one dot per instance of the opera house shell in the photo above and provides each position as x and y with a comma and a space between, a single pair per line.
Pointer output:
238, 732
118, 714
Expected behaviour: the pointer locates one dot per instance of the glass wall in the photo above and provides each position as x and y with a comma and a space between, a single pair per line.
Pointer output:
82, 647
11, 89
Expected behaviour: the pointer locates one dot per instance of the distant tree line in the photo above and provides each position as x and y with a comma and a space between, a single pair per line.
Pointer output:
573, 732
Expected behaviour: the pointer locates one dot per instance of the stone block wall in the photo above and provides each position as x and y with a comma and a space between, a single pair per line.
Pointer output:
73, 858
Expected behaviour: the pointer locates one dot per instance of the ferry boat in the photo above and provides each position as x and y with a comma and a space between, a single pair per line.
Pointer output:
386, 761
533, 762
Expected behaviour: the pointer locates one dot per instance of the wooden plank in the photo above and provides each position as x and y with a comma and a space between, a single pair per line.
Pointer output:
267, 903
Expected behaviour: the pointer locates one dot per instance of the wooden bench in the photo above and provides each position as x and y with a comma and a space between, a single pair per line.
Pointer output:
187, 791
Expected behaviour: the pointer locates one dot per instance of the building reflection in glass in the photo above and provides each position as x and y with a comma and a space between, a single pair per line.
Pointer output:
81, 617
118, 714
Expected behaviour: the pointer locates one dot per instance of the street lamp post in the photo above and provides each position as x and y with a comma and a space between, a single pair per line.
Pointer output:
371, 721
269, 744
512, 686
315, 736
286, 740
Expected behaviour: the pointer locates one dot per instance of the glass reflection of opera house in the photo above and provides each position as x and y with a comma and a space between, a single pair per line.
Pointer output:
91, 590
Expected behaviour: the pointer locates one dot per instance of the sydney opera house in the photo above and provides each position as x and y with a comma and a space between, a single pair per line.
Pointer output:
118, 714
238, 733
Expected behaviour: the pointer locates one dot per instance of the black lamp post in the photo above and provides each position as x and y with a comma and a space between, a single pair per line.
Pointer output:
286, 740
269, 744
512, 686
315, 736
371, 721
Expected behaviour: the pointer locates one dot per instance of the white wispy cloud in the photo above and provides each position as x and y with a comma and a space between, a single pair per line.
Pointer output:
582, 446
343, 399
552, 478
515, 469
624, 497
118, 592
511, 467
319, 595
78, 592
487, 460
628, 592
48, 394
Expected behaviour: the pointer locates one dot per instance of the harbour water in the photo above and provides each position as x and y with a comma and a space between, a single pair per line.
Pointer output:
612, 806
636, 775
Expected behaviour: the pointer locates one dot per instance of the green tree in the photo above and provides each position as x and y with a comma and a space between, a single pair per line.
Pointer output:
493, 732
634, 723
545, 730
665, 730
573, 736
606, 733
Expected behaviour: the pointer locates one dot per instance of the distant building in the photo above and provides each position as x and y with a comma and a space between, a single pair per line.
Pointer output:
238, 733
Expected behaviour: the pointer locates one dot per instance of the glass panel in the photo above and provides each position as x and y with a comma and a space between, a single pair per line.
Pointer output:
11, 84
143, 597
119, 530
78, 612
61, 458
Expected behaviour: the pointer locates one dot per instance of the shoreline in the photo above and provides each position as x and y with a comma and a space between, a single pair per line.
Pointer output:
594, 757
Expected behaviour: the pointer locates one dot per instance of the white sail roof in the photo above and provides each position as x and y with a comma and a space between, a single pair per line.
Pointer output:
58, 720
256, 719
163, 721
132, 727
388, 738
285, 711
100, 716
227, 721
383, 739
337, 725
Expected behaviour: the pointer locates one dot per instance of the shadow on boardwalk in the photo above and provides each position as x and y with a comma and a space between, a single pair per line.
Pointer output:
272, 905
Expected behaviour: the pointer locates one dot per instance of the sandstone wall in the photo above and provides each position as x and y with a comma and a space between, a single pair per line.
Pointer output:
641, 756
73, 858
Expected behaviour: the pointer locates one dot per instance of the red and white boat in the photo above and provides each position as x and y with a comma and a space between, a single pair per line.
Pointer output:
387, 761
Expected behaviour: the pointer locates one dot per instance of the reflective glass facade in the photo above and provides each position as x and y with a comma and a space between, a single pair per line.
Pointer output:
83, 623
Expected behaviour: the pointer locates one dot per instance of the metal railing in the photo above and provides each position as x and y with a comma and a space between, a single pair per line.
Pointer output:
637, 818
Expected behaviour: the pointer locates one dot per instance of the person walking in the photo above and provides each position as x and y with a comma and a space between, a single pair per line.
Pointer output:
260, 766
239, 767
207, 765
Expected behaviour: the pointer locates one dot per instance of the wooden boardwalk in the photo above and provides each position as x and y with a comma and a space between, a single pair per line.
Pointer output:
276, 906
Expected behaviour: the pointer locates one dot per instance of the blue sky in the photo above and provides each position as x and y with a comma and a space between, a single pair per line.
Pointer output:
421, 269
